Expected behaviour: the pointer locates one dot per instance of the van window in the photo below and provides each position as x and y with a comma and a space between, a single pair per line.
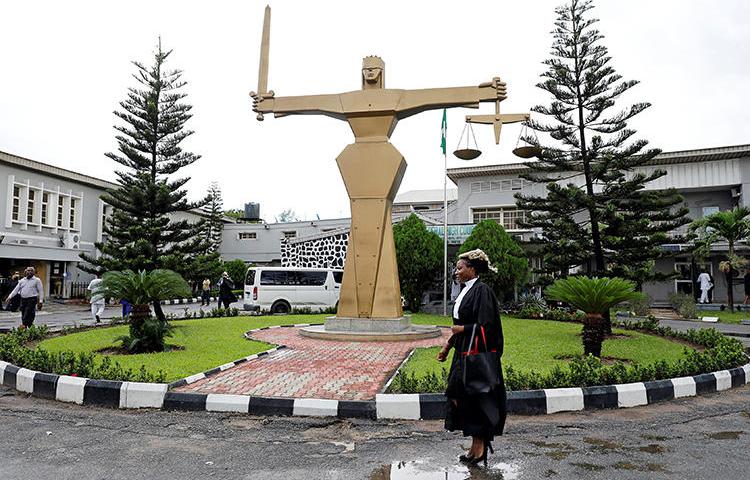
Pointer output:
250, 278
274, 277
338, 277
311, 278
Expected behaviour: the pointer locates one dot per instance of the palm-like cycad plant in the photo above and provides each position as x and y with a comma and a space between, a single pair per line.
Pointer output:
730, 226
594, 296
141, 289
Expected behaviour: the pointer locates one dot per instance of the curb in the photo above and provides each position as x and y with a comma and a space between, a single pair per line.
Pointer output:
421, 406
180, 301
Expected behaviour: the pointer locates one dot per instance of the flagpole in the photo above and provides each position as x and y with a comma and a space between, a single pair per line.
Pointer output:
445, 233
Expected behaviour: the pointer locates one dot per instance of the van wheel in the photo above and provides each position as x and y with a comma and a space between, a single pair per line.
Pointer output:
281, 306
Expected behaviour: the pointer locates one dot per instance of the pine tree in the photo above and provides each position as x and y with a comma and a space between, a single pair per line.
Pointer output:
596, 214
214, 225
143, 232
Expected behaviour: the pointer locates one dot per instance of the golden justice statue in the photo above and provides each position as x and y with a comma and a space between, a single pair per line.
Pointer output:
372, 170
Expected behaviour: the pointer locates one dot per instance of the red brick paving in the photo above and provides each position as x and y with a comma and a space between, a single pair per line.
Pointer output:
311, 368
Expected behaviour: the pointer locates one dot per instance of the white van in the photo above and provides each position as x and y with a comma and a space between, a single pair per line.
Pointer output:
281, 289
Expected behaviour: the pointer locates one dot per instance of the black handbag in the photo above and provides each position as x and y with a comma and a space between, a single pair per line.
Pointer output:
481, 372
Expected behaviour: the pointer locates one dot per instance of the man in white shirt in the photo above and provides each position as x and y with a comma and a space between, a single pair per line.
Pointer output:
97, 300
32, 294
704, 283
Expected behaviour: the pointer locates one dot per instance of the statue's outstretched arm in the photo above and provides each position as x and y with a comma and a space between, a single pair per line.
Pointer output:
416, 101
329, 105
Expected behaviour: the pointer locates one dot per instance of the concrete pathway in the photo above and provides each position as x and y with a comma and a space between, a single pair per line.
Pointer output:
310, 368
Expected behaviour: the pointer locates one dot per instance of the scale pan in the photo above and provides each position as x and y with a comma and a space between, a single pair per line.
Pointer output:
467, 153
527, 151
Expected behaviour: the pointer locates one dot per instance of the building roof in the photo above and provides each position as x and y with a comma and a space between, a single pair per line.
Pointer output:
425, 196
16, 161
664, 158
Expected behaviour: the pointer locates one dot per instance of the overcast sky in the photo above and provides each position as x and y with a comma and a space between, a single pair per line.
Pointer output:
65, 66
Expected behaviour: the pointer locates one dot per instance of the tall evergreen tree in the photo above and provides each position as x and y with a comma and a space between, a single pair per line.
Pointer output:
143, 232
596, 213
214, 225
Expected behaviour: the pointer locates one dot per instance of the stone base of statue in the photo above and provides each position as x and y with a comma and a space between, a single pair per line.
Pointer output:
370, 330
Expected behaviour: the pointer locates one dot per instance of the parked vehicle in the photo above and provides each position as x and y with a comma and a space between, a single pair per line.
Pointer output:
283, 289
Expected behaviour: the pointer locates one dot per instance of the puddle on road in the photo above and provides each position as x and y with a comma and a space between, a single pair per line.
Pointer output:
724, 435
422, 470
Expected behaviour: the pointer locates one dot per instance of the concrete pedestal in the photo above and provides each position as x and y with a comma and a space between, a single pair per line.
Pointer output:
370, 330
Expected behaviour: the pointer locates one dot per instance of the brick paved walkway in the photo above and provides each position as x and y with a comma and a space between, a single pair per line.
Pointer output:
311, 368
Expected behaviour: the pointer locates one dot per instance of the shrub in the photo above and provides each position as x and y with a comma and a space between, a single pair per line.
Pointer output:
684, 305
640, 306
13, 349
721, 353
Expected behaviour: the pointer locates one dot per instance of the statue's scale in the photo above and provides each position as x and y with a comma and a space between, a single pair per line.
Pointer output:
372, 170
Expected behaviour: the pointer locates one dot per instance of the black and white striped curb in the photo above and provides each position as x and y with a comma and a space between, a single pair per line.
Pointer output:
221, 368
385, 406
180, 301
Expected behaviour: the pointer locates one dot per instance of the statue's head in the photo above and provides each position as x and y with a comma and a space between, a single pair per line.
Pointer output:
373, 73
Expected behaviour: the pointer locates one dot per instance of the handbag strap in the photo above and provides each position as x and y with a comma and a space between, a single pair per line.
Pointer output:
471, 340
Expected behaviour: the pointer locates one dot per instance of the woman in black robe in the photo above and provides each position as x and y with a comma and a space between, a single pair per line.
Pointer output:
482, 415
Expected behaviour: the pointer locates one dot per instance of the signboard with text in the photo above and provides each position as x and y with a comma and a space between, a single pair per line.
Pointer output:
457, 234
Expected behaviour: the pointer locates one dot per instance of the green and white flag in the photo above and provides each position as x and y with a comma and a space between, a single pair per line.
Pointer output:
443, 132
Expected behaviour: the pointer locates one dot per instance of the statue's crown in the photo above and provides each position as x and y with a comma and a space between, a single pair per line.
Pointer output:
372, 61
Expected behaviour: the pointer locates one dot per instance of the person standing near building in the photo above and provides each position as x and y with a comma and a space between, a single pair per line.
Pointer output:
32, 295
97, 300
206, 292
226, 285
705, 284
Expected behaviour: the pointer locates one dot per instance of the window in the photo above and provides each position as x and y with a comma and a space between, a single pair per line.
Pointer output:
290, 234
30, 206
310, 279
72, 216
514, 184
274, 277
709, 211
247, 235
16, 203
338, 277
60, 210
250, 278
687, 273
508, 217
45, 208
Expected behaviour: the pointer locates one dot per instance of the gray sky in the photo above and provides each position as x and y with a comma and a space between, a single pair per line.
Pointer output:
66, 65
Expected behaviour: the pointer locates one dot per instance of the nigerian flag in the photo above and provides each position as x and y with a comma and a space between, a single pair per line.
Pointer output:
443, 131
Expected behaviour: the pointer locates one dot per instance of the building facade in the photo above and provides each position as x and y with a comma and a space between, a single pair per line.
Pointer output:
49, 216
710, 180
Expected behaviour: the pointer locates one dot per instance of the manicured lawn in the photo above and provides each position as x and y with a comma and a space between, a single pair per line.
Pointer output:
207, 343
529, 344
541, 344
725, 316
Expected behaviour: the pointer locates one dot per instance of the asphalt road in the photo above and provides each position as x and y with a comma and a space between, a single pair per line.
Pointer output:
699, 438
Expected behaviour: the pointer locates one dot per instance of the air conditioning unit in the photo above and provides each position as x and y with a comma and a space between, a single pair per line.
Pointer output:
72, 240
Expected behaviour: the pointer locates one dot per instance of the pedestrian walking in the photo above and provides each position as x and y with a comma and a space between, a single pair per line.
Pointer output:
475, 392
206, 292
226, 285
705, 284
31, 294
15, 301
98, 302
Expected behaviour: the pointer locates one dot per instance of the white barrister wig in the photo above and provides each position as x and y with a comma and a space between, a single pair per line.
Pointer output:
478, 254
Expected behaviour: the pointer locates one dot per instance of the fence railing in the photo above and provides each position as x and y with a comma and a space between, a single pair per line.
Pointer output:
78, 289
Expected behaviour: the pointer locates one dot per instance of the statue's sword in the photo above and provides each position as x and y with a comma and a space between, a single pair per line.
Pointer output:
263, 69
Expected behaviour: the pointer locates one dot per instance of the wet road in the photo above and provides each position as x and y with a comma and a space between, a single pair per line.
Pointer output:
699, 438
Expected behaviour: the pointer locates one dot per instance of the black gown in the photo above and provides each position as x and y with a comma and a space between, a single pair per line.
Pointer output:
479, 415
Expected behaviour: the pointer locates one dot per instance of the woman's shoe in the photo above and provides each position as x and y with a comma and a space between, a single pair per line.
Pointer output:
483, 459
465, 458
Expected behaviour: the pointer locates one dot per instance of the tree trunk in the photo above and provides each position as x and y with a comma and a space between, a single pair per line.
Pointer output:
592, 334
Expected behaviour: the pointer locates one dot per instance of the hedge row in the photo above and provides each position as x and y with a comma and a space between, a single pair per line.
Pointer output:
721, 353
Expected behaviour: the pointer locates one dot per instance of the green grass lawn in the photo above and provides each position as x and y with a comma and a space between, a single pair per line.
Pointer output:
541, 344
208, 343
725, 316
